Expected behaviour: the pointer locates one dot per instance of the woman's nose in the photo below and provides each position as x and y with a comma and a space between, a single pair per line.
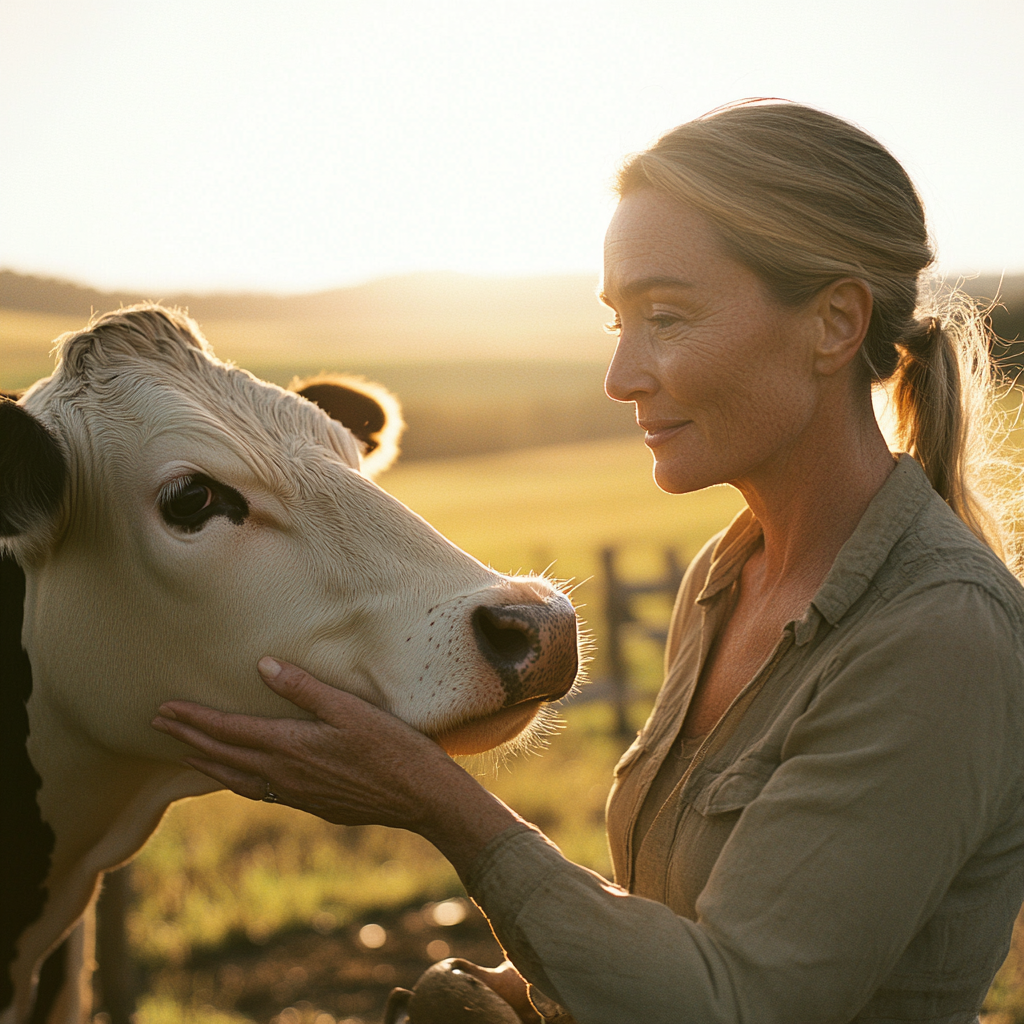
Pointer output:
627, 378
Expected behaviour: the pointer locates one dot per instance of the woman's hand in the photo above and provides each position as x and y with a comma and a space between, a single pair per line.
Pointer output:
353, 765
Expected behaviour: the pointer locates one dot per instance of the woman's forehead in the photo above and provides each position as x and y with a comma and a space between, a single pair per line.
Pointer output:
654, 241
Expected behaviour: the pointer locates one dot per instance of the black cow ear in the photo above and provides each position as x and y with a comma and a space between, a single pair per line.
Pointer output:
358, 411
370, 411
32, 471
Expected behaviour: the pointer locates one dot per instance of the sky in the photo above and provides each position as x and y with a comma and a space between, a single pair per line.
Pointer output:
304, 145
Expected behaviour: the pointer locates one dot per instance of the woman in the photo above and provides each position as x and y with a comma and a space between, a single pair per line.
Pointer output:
822, 820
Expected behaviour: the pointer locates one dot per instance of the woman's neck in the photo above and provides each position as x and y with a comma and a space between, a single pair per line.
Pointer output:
810, 500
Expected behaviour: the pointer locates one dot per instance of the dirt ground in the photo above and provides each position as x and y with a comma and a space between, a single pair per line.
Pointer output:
339, 975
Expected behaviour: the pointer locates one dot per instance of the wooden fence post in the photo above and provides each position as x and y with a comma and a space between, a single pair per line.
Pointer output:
619, 614
116, 970
616, 613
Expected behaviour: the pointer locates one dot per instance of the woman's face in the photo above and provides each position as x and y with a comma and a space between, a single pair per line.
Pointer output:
721, 373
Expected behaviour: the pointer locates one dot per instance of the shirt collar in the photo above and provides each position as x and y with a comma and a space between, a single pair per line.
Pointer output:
735, 546
886, 520
891, 511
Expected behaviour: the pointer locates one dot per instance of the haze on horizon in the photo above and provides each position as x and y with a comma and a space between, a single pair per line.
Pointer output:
208, 145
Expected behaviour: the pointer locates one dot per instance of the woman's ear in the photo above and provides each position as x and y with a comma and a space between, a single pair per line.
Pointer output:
845, 311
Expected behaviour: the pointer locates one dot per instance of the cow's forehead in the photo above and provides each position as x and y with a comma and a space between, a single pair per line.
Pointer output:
275, 432
146, 375
202, 408
245, 413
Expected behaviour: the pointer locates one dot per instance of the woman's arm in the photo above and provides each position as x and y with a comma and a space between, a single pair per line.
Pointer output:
900, 785
353, 764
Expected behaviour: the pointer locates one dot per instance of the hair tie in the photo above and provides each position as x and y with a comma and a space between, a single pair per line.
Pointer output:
922, 341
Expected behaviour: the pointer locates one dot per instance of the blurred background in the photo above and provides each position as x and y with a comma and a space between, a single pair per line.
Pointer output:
417, 192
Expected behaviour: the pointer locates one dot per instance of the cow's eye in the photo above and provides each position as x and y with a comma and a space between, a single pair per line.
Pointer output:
191, 501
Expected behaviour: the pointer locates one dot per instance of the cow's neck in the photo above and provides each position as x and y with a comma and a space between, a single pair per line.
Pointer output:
102, 808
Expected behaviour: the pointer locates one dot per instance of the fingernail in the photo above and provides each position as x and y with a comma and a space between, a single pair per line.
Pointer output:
158, 723
166, 712
269, 668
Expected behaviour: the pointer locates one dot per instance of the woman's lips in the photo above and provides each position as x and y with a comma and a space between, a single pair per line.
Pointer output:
658, 433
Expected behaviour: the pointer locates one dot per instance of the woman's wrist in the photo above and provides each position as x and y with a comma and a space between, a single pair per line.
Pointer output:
462, 818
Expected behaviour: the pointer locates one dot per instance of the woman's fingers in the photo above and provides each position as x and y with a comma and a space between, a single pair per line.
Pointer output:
302, 689
187, 721
358, 720
232, 740
353, 765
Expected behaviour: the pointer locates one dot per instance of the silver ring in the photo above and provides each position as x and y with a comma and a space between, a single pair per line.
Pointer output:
270, 797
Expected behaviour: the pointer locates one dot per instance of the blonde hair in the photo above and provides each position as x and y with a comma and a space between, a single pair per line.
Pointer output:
803, 198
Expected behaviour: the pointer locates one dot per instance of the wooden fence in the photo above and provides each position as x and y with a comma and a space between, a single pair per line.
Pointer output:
623, 617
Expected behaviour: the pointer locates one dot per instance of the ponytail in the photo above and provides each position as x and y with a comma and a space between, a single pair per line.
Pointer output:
946, 400
926, 393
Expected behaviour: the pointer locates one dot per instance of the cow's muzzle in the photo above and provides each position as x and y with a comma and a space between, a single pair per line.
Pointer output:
532, 647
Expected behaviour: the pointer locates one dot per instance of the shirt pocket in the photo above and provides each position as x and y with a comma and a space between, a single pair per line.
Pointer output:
735, 787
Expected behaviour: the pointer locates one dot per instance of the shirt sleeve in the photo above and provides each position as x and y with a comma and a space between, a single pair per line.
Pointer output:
906, 759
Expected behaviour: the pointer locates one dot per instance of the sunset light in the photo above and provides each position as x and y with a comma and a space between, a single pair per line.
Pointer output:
291, 147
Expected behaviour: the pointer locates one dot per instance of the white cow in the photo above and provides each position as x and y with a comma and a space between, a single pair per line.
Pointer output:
167, 519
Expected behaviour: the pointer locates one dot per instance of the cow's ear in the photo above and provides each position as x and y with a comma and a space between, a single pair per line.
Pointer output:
32, 472
370, 411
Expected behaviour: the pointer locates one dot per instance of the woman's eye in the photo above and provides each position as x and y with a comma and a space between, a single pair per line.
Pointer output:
190, 502
663, 320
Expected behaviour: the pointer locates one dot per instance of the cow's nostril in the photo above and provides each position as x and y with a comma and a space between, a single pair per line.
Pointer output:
531, 646
504, 638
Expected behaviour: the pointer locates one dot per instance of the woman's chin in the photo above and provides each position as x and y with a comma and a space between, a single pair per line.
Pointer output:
482, 734
682, 477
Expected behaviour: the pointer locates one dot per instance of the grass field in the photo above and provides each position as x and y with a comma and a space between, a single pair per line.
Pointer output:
559, 505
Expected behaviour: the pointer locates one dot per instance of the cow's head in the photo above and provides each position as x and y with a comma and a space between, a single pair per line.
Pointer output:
178, 518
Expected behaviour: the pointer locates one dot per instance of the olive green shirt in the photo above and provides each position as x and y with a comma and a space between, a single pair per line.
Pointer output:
848, 842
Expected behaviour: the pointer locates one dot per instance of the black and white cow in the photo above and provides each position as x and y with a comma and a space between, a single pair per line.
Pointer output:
165, 520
